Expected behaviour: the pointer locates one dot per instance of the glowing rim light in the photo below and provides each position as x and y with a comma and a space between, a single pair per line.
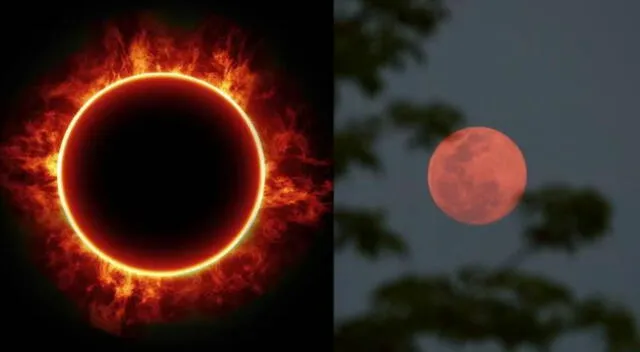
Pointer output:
191, 269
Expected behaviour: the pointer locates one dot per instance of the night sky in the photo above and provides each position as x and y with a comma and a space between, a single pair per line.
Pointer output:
559, 77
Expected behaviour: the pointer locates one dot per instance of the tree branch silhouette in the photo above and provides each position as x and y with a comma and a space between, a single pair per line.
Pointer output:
504, 304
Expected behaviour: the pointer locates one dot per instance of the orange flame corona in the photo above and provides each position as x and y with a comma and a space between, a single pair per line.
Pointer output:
114, 296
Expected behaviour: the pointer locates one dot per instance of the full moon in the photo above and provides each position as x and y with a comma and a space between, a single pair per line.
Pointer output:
477, 175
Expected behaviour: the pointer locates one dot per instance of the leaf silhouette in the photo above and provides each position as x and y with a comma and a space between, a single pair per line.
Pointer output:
563, 217
524, 288
428, 123
372, 35
373, 334
353, 145
618, 325
367, 230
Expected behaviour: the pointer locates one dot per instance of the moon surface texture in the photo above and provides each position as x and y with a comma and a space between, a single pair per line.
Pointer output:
477, 175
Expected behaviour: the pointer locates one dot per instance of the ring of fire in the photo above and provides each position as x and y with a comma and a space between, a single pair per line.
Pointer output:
296, 183
85, 238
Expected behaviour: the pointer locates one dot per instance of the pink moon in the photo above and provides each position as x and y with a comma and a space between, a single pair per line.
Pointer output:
477, 175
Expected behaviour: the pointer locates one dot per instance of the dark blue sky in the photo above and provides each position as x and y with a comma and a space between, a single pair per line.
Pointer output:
562, 79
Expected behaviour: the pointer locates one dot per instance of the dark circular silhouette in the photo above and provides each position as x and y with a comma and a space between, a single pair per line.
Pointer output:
160, 173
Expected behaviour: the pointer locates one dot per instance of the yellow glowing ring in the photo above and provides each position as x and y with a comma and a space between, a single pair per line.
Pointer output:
187, 270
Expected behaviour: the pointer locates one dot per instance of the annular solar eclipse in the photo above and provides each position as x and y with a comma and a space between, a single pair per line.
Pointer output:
159, 174
149, 97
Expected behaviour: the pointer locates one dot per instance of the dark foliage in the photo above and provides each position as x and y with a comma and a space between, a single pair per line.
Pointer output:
504, 304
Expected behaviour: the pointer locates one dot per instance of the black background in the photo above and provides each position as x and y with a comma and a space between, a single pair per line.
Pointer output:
299, 314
